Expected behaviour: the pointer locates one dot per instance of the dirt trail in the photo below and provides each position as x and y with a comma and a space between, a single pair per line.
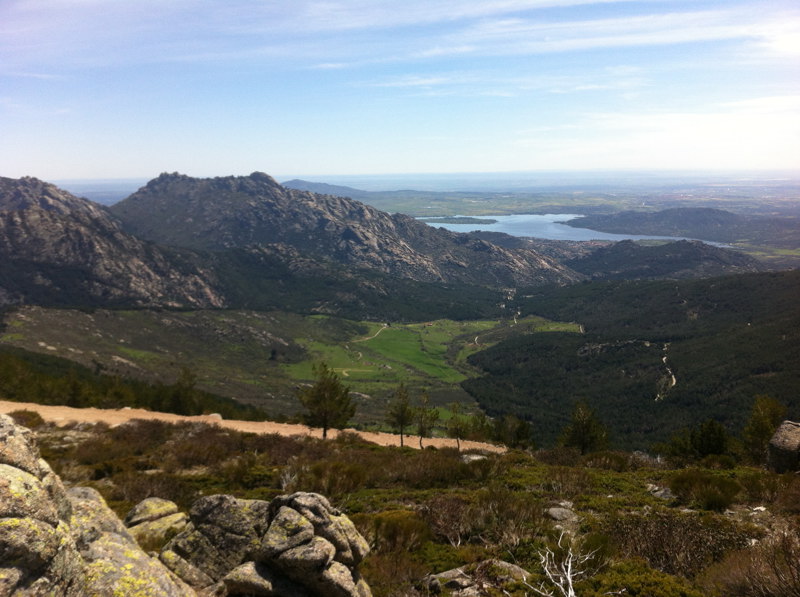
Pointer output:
62, 415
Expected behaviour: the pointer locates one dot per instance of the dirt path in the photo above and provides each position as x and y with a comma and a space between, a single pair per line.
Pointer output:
62, 415
375, 335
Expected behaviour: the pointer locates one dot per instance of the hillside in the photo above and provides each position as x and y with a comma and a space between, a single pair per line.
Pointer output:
62, 250
700, 222
724, 340
237, 212
58, 249
627, 260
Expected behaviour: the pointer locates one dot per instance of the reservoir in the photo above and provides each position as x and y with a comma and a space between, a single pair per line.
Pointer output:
547, 226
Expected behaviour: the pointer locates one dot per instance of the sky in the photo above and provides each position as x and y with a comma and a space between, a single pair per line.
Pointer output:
132, 88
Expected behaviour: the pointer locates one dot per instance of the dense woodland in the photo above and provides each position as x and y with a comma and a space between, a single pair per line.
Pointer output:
725, 340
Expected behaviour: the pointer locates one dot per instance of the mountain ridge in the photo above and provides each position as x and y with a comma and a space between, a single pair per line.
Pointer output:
236, 212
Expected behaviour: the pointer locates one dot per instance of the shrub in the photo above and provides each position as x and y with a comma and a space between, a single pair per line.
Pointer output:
198, 444
246, 471
768, 569
505, 518
705, 489
130, 488
560, 456
788, 500
331, 477
450, 518
610, 461
565, 481
762, 486
634, 578
675, 542
392, 574
27, 418
393, 530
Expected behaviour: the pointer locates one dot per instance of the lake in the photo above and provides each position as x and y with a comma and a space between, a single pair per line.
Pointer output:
547, 226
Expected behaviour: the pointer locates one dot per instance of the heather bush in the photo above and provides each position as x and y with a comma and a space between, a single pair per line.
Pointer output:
450, 518
770, 568
27, 418
334, 475
788, 499
567, 481
559, 456
704, 489
505, 518
202, 445
393, 530
611, 461
131, 487
676, 542
634, 578
763, 486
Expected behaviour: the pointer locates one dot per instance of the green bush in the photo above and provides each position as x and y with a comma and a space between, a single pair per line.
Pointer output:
634, 578
704, 489
27, 418
676, 542
393, 530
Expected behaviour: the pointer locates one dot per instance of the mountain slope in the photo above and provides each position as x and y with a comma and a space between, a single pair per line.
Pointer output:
698, 222
655, 356
682, 259
59, 249
235, 212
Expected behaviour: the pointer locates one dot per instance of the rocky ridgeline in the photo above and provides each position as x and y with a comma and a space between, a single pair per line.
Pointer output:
55, 541
60, 249
243, 211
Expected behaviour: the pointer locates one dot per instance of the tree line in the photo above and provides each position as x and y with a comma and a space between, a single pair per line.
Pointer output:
329, 405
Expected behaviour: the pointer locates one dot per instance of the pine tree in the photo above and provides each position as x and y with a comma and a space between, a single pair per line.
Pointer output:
584, 431
426, 417
765, 417
401, 413
327, 401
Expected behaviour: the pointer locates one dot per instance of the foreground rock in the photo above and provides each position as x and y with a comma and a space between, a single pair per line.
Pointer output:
474, 580
295, 545
54, 542
70, 543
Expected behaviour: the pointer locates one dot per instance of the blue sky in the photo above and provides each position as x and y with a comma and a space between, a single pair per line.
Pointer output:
132, 88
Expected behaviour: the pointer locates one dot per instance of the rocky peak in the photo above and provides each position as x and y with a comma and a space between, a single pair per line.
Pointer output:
58, 248
235, 212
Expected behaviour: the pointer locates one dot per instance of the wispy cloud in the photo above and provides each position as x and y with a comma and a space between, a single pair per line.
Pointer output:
38, 32
532, 36
754, 133
472, 83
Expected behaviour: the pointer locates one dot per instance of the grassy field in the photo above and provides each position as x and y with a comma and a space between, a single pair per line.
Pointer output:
261, 358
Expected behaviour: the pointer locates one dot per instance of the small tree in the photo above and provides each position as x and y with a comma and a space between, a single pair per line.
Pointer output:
426, 417
401, 413
457, 425
710, 438
513, 432
765, 417
584, 431
327, 401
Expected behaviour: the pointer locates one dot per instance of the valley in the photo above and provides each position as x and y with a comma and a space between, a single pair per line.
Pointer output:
259, 358
629, 389
241, 285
